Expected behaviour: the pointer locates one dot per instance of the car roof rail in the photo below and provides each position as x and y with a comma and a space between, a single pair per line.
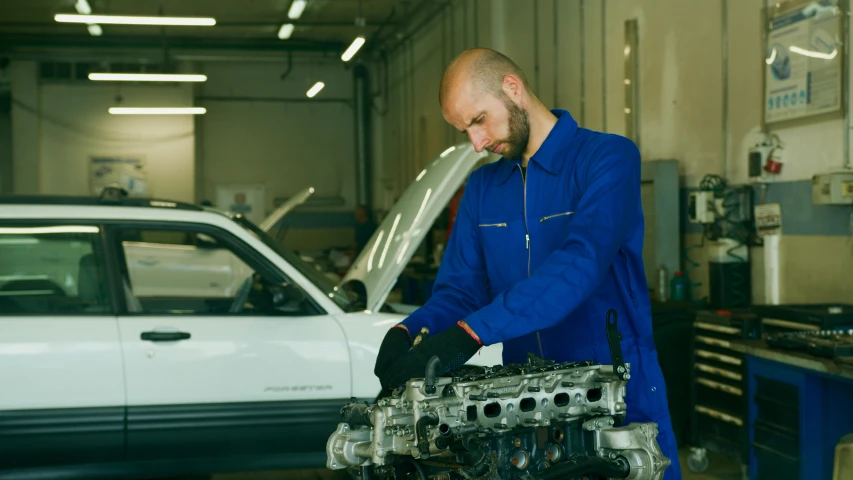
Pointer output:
112, 195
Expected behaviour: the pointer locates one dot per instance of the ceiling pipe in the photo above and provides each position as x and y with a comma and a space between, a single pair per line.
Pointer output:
289, 66
211, 98
398, 32
12, 43
428, 20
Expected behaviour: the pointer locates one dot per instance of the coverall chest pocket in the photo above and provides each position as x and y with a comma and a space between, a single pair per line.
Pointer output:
555, 227
503, 241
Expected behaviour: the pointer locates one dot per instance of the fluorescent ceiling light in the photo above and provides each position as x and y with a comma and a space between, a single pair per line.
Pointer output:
353, 48
41, 230
82, 7
119, 20
315, 89
296, 9
285, 31
157, 111
145, 77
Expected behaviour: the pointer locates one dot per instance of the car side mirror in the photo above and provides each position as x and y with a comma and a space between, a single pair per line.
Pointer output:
286, 295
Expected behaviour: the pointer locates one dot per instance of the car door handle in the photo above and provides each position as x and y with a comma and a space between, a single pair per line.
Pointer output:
165, 336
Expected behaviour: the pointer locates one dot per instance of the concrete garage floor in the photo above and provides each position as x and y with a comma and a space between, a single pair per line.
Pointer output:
720, 468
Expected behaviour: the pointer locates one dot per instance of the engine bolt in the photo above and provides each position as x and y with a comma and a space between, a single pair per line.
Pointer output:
621, 369
517, 443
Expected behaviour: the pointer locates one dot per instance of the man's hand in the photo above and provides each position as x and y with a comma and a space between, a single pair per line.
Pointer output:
453, 347
395, 344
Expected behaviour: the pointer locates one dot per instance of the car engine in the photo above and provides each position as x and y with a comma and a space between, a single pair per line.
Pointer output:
539, 420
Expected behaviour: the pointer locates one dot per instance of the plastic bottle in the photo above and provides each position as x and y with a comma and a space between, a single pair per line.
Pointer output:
679, 287
663, 284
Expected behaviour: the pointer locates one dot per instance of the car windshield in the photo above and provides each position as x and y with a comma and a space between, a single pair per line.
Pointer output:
308, 270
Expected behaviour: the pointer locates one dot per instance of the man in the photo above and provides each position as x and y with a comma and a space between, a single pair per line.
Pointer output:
547, 240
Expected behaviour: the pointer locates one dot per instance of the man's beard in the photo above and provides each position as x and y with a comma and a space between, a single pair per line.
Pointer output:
519, 131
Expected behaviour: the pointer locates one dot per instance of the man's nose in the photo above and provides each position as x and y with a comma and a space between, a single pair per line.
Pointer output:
480, 142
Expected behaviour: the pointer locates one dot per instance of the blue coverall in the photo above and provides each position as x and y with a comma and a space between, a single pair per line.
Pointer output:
537, 262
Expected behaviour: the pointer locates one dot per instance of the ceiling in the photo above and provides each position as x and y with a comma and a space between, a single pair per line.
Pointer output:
325, 25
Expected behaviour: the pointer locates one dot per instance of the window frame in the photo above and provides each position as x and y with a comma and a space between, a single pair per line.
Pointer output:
99, 247
245, 252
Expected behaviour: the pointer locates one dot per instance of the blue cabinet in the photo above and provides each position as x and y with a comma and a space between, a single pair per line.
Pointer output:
796, 418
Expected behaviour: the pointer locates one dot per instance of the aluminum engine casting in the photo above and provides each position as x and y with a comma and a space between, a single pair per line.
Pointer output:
540, 420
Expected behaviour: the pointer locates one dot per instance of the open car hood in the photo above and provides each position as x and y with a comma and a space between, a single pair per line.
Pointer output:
407, 223
279, 213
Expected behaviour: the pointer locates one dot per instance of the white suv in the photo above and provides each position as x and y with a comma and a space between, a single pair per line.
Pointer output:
150, 337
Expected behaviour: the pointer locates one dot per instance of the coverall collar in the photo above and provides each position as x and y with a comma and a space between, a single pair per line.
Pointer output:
549, 154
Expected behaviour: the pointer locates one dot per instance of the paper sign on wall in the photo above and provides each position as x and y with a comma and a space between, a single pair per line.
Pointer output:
247, 200
803, 66
129, 173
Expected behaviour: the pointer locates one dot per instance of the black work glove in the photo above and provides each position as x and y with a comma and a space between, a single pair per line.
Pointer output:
395, 344
454, 347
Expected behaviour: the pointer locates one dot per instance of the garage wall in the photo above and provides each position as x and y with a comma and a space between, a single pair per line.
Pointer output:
682, 107
261, 129
282, 140
57, 127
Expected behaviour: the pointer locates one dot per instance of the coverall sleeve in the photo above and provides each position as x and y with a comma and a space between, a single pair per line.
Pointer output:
461, 285
603, 216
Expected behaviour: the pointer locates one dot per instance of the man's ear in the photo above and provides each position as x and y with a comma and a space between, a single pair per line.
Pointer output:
513, 87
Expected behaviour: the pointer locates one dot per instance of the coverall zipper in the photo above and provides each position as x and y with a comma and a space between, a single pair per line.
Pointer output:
555, 216
527, 245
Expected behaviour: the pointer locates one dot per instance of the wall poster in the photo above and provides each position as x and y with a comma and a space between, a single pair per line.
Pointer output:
127, 172
248, 200
803, 64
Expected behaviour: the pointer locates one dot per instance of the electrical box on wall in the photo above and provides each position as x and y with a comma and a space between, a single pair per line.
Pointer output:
757, 158
700, 207
834, 188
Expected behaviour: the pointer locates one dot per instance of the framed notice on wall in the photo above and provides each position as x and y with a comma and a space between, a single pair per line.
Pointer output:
127, 172
804, 61
247, 200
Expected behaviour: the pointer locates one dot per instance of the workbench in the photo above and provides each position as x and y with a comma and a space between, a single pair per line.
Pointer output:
799, 407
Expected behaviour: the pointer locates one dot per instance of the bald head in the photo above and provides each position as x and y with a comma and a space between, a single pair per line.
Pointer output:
481, 69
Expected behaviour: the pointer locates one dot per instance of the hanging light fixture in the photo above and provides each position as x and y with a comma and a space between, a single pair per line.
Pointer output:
314, 90
126, 20
146, 77
157, 111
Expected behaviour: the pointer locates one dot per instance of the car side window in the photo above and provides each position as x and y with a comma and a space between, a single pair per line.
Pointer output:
51, 269
189, 272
